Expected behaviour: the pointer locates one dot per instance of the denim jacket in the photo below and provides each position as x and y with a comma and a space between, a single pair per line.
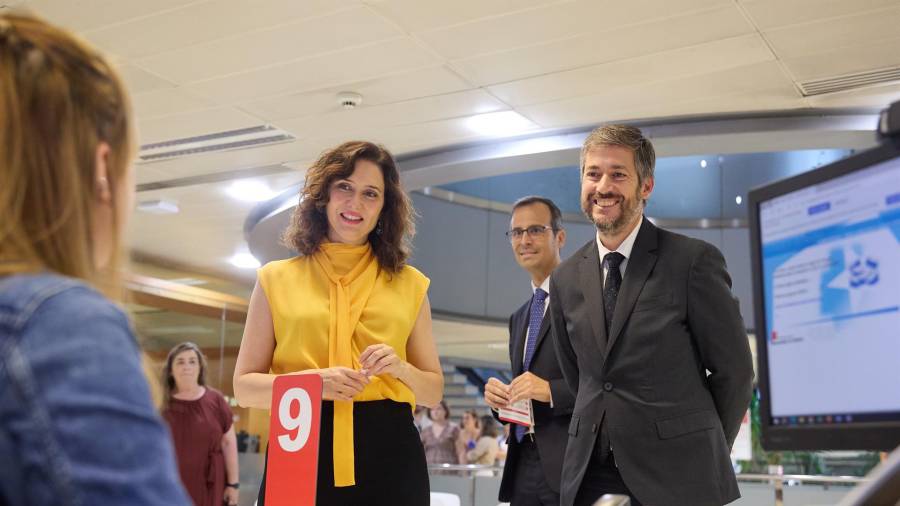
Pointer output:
77, 426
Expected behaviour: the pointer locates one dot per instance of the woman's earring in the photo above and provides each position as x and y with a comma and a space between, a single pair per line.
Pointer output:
379, 228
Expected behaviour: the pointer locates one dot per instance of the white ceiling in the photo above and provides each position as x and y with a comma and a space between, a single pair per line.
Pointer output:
424, 66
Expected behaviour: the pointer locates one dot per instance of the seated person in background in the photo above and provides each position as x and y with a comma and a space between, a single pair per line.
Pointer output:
439, 439
468, 435
486, 448
77, 424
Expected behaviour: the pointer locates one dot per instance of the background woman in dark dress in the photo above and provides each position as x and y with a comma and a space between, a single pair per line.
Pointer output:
202, 429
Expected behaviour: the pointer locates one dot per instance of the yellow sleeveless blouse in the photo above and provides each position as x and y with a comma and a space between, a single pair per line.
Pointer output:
330, 306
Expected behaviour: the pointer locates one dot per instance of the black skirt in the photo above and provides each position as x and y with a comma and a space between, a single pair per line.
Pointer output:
389, 461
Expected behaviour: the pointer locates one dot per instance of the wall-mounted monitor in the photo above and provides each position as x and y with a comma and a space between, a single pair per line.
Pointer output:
826, 275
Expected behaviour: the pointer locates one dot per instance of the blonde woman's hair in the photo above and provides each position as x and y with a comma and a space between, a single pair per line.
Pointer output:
59, 99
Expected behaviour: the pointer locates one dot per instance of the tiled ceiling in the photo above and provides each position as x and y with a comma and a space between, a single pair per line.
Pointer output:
424, 66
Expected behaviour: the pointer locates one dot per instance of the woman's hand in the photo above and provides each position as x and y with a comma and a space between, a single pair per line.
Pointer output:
341, 383
231, 496
381, 359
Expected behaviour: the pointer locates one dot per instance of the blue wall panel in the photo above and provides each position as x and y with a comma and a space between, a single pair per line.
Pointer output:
451, 249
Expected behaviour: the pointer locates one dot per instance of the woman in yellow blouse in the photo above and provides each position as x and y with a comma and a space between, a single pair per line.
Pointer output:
349, 309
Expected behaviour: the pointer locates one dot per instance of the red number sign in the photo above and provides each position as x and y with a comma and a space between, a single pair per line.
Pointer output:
294, 440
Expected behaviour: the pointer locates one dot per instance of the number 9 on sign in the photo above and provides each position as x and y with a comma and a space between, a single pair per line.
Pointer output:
300, 423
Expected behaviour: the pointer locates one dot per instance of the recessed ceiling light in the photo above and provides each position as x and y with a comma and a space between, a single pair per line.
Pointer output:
703, 163
738, 200
250, 190
498, 124
244, 261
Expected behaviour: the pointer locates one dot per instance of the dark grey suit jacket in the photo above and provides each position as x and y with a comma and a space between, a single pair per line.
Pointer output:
550, 424
670, 424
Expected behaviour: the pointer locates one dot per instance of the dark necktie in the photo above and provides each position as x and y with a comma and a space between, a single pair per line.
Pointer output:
535, 318
611, 285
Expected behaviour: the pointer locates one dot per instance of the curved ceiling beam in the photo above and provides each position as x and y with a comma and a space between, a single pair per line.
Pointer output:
724, 135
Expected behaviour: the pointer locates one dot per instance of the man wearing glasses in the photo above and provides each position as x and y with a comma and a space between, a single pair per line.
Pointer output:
531, 473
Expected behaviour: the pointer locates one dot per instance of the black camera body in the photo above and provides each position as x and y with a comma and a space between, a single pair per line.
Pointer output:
889, 122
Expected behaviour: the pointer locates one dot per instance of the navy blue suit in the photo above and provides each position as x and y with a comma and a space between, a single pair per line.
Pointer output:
550, 423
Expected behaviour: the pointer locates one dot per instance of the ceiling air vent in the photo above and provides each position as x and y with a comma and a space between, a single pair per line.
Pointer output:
220, 141
850, 81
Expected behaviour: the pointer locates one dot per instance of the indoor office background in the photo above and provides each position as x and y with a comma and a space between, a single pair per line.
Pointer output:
482, 103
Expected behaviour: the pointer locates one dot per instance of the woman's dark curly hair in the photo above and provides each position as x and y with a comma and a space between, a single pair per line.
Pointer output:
390, 240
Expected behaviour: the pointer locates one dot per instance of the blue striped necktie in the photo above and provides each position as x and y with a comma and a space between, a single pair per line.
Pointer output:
535, 318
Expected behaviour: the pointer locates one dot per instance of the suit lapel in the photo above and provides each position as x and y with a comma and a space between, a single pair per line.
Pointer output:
589, 276
520, 328
643, 258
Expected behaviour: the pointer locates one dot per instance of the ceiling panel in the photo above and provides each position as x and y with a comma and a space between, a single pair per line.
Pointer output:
284, 43
192, 218
863, 29
238, 159
761, 99
205, 196
194, 123
400, 139
518, 29
846, 60
617, 44
744, 79
144, 174
166, 102
364, 119
420, 136
621, 103
394, 88
203, 22
699, 59
416, 15
769, 14
217, 246
90, 14
138, 80
369, 62
544, 24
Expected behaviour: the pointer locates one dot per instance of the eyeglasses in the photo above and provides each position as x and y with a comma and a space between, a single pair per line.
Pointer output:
517, 234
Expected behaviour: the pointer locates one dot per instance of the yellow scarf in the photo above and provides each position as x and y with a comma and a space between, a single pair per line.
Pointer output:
352, 271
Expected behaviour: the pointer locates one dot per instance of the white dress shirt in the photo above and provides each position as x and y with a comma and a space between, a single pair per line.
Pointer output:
624, 248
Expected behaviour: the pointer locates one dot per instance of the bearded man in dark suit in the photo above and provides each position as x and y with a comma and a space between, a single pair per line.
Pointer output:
651, 340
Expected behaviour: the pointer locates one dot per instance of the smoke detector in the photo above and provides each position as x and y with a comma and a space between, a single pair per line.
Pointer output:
349, 100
